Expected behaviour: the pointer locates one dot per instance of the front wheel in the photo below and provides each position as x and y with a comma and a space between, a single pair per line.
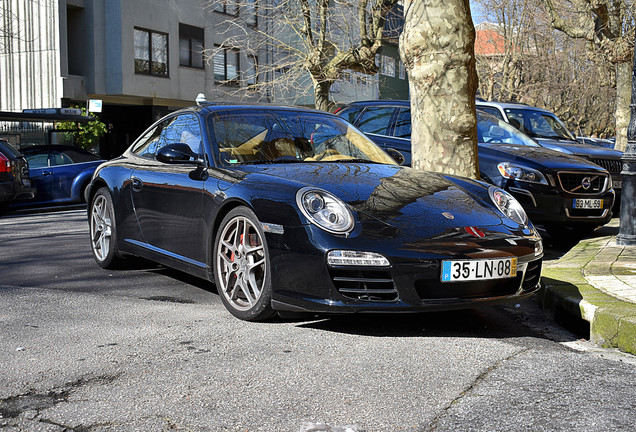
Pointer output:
242, 267
103, 231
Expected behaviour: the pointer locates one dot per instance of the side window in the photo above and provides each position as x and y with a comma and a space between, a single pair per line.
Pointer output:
491, 110
147, 144
183, 129
59, 158
403, 124
350, 114
38, 160
376, 120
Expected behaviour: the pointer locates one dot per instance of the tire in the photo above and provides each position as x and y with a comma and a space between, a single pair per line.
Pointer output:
103, 231
242, 268
84, 191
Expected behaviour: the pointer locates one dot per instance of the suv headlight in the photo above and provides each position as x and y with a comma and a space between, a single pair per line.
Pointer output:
508, 205
324, 210
519, 172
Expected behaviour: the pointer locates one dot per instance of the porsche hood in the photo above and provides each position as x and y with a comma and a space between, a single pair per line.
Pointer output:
390, 195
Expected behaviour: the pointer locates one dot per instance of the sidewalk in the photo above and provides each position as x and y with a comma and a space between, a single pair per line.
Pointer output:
594, 284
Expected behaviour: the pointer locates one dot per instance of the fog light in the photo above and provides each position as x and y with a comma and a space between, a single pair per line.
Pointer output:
538, 248
356, 258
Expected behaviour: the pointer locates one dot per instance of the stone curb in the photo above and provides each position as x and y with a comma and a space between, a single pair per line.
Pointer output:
590, 288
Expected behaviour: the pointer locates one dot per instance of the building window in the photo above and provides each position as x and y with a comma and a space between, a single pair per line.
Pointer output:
402, 70
251, 17
151, 52
190, 46
251, 72
226, 6
226, 66
388, 66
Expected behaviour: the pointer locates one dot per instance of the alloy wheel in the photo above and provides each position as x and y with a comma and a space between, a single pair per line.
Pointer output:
241, 263
101, 227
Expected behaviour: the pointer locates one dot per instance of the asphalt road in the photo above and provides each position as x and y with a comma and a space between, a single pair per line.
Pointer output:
150, 349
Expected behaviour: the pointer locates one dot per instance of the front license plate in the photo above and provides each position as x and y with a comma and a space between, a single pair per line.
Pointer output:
500, 268
587, 203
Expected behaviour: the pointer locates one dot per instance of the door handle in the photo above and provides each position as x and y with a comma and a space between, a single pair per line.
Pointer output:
47, 173
136, 184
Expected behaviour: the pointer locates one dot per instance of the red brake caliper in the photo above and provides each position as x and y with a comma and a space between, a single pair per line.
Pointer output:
232, 256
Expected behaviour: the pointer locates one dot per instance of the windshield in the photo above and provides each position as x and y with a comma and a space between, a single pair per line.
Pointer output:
490, 129
280, 136
538, 124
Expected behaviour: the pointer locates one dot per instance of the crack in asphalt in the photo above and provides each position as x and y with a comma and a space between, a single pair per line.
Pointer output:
14, 406
432, 425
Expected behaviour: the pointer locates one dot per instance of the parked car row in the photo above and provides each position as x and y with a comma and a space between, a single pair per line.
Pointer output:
562, 184
295, 210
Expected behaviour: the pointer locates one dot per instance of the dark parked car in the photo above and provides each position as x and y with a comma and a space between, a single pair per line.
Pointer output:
14, 176
569, 195
60, 173
546, 128
289, 209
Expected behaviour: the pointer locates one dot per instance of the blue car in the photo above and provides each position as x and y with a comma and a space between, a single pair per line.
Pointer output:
569, 195
59, 173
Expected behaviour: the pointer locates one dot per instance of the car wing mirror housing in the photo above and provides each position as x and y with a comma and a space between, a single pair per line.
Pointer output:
179, 153
396, 155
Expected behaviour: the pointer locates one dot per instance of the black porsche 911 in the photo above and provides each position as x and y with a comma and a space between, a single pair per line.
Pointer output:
289, 209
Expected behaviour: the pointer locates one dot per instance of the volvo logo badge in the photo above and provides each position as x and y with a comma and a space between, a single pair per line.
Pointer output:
586, 183
448, 215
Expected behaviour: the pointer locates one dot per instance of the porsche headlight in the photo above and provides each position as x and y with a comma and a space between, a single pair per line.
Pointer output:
519, 172
324, 210
508, 205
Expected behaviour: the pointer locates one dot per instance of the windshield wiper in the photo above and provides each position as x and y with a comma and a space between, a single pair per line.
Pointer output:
356, 160
270, 161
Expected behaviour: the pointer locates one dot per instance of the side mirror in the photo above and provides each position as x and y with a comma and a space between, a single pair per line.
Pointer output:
396, 155
178, 154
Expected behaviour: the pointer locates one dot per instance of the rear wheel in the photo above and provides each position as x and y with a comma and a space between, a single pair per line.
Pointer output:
242, 267
103, 230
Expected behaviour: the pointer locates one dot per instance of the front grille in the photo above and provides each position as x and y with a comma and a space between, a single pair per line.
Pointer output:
586, 212
533, 273
612, 165
576, 182
367, 285
428, 289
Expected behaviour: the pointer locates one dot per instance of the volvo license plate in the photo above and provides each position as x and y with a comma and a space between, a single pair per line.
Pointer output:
483, 269
587, 203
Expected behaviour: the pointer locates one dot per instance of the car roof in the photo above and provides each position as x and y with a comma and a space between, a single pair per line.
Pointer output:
394, 102
221, 106
512, 105
49, 147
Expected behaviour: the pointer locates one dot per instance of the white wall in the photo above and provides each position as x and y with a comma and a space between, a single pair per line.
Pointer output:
29, 55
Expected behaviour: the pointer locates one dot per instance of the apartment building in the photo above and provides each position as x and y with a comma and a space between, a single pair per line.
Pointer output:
141, 58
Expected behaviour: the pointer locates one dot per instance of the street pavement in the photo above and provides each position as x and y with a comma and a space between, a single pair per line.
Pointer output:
150, 349
595, 283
